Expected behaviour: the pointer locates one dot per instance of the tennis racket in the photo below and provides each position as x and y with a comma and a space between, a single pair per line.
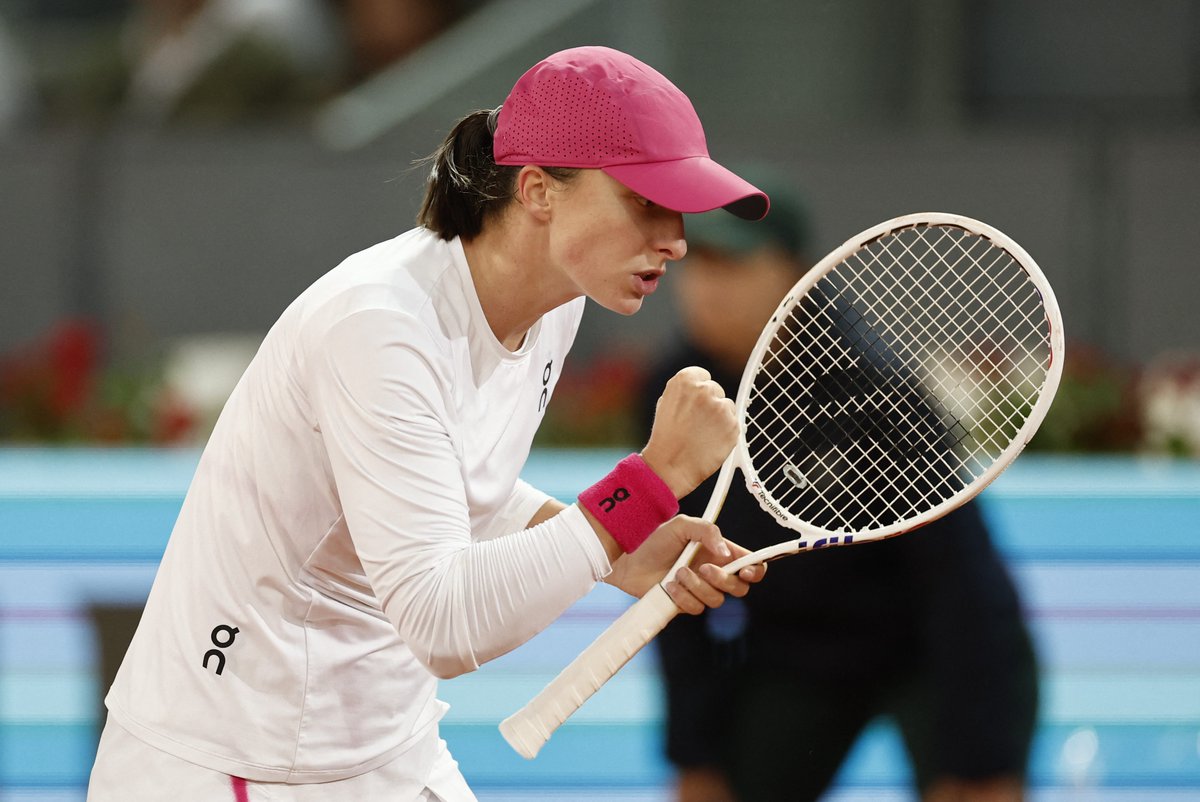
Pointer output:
895, 381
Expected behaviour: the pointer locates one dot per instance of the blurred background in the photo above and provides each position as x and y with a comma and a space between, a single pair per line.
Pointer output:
174, 172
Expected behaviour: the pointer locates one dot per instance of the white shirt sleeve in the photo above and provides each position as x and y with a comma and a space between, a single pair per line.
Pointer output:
517, 511
376, 393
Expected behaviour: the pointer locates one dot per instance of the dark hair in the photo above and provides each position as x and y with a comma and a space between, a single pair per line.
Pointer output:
465, 185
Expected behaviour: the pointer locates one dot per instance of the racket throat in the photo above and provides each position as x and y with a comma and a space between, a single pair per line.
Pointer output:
784, 549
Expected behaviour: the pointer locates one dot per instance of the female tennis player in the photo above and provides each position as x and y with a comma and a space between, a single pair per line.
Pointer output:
356, 527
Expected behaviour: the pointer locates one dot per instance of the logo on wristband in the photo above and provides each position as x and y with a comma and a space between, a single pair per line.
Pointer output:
619, 495
631, 522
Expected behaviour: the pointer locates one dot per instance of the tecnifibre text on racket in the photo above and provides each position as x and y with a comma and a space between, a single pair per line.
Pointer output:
895, 381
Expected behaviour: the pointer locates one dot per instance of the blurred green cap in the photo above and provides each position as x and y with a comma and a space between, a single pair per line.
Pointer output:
785, 227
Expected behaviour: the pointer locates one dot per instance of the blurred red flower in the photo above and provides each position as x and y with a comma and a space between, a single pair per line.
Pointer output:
59, 389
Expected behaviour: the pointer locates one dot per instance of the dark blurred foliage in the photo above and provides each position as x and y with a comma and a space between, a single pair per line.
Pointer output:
1096, 409
60, 389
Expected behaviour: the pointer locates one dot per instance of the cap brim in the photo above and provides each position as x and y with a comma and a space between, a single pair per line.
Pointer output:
695, 184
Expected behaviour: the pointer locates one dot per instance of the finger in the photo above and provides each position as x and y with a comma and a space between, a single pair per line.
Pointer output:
683, 599
713, 389
706, 592
753, 573
730, 584
710, 538
694, 373
706, 533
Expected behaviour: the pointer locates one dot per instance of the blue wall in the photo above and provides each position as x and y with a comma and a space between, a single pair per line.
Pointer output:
1107, 553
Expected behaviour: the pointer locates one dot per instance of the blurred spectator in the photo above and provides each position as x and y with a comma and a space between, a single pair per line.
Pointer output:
163, 62
767, 695
227, 60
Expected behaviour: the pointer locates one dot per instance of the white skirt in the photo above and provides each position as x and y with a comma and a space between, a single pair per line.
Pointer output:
130, 770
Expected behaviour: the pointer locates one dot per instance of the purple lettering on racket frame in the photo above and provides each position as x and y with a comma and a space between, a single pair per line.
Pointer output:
779, 513
832, 541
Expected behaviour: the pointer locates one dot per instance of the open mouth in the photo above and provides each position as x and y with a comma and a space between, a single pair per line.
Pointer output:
648, 281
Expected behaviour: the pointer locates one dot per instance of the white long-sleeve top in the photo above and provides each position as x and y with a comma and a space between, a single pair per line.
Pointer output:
356, 526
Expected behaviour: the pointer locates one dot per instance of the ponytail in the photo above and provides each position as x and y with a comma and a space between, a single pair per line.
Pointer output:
466, 187
465, 184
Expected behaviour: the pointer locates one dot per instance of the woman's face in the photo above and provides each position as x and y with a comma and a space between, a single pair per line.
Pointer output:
610, 243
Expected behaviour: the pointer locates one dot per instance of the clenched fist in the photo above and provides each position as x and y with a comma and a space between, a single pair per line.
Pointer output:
695, 428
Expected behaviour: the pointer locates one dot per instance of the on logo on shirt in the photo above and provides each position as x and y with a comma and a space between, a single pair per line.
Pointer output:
545, 397
222, 637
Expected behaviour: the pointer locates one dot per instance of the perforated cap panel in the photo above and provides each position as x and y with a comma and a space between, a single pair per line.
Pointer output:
563, 119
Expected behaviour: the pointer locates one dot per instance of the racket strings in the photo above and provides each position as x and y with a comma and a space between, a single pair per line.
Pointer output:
801, 413
1004, 299
981, 383
897, 380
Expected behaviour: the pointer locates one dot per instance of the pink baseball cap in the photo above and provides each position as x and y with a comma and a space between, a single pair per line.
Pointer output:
600, 108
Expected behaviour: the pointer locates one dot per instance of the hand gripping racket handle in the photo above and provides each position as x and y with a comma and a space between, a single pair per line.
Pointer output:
529, 728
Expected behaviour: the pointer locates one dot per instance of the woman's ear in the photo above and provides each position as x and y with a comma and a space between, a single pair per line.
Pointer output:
533, 191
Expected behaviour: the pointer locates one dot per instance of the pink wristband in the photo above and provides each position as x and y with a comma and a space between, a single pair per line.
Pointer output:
631, 502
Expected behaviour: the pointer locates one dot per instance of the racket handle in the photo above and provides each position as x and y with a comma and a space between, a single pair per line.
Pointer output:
529, 728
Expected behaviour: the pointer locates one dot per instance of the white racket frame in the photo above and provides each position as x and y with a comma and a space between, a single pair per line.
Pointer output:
529, 728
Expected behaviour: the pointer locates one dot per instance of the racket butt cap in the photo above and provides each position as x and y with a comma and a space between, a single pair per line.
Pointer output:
523, 735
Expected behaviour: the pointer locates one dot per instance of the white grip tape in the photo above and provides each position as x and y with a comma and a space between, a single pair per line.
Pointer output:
529, 728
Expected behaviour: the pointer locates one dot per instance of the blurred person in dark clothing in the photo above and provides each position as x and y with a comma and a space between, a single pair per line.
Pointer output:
767, 695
